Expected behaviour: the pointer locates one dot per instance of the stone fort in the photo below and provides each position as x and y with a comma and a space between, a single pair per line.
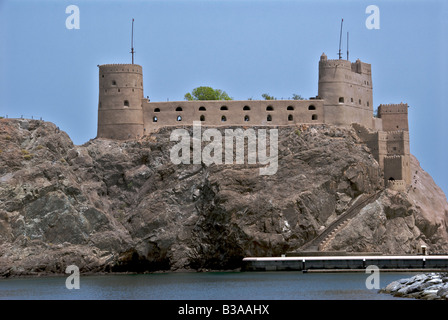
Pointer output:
344, 99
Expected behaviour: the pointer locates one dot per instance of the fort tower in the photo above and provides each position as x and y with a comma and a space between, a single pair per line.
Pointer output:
120, 114
394, 116
346, 88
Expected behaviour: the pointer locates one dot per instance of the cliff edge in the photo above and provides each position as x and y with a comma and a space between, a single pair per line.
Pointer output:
124, 206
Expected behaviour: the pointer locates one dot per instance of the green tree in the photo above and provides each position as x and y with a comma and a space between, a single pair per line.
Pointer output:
297, 97
268, 97
206, 93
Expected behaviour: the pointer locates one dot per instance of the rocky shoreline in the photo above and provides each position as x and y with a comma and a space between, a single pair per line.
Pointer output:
428, 286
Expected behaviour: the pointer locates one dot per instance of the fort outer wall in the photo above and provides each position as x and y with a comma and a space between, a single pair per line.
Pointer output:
246, 113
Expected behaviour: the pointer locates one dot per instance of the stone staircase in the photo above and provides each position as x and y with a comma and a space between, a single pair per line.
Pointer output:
322, 240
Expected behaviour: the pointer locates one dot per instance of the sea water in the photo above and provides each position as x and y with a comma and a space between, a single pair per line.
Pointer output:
203, 286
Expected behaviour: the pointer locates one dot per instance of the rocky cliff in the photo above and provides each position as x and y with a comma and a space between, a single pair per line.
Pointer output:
124, 206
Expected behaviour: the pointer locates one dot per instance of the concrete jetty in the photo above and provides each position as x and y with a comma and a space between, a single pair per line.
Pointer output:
347, 263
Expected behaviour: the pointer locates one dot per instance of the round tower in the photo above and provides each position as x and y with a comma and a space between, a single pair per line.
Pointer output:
120, 114
346, 89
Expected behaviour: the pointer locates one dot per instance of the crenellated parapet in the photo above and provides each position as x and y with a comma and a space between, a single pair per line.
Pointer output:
397, 185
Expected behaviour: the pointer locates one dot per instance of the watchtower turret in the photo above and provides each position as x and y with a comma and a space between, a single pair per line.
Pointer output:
394, 116
120, 114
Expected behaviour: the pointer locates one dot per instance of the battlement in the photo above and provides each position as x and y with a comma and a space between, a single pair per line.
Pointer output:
392, 108
386, 105
116, 68
331, 63
357, 67
119, 65
393, 157
361, 67
397, 185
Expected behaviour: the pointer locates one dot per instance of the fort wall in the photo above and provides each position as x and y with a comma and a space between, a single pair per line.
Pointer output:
232, 113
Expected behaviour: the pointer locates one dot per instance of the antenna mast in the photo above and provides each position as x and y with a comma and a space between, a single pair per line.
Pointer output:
340, 41
347, 45
132, 41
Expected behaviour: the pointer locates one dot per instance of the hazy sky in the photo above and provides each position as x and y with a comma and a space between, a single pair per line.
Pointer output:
246, 48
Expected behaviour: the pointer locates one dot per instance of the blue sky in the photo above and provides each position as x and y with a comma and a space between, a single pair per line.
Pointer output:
246, 48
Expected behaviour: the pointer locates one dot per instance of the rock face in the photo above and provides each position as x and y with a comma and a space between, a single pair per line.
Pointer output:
124, 206
400, 222
430, 286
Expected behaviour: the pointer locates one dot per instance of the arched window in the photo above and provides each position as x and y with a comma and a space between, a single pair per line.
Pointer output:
359, 101
290, 117
154, 119
223, 118
314, 117
126, 103
246, 118
290, 108
114, 83
246, 108
341, 99
156, 110
269, 118
224, 108
202, 108
179, 118
179, 109
311, 107
269, 108
202, 118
